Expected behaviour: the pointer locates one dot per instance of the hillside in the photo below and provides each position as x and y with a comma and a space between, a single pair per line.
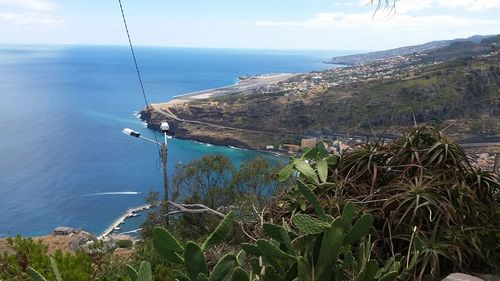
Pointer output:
462, 49
402, 51
457, 87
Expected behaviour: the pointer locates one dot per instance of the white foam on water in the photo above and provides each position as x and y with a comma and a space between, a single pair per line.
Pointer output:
238, 148
114, 193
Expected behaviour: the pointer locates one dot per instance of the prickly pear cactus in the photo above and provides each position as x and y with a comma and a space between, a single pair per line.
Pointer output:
321, 250
191, 255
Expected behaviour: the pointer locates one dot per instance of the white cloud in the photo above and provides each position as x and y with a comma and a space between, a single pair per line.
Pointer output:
266, 23
31, 5
470, 5
31, 19
405, 6
32, 14
399, 18
349, 21
345, 4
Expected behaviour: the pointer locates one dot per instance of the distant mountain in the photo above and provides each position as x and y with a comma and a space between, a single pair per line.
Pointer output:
492, 40
462, 49
372, 56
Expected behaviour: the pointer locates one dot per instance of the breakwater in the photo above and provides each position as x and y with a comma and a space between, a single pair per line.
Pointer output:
129, 213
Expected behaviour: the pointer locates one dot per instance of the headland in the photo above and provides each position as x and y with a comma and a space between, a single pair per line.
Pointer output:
244, 84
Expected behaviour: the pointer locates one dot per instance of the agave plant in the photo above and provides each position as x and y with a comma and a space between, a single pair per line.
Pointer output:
485, 184
408, 184
416, 202
425, 147
364, 165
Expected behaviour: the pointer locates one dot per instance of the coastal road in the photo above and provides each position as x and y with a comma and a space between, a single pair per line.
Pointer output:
75, 244
480, 144
162, 109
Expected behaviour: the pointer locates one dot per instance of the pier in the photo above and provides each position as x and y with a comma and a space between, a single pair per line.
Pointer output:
129, 213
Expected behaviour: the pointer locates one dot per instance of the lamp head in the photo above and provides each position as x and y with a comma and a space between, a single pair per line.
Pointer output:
164, 126
131, 132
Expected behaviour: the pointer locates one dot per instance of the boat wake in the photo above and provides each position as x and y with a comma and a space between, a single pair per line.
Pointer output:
114, 193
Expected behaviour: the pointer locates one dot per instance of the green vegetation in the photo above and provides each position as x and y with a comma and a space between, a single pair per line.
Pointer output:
214, 182
411, 209
32, 256
319, 250
124, 244
425, 196
464, 91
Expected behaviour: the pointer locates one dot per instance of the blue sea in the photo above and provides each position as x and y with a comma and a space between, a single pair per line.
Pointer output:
63, 158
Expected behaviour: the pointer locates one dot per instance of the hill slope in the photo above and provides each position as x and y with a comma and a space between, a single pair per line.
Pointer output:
372, 56
462, 94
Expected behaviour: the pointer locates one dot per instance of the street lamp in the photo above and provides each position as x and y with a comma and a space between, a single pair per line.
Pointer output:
164, 151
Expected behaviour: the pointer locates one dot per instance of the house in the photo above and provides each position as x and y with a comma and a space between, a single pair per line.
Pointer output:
305, 143
63, 231
292, 147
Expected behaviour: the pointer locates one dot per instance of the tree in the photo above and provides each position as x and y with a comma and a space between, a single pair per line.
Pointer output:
204, 180
256, 176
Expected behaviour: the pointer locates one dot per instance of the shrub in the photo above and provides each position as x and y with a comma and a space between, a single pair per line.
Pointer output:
423, 193
124, 244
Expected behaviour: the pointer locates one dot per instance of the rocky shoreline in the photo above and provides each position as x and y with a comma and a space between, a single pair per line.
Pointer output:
207, 133
216, 134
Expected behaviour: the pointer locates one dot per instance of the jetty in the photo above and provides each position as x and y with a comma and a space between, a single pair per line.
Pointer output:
132, 212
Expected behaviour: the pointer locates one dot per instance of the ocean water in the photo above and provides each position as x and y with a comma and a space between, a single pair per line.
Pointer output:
63, 158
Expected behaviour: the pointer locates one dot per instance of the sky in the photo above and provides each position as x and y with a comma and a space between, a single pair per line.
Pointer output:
256, 24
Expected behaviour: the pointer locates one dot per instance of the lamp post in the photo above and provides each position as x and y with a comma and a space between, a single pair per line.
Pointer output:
164, 151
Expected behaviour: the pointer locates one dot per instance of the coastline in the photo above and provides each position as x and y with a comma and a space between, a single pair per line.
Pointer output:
197, 70
251, 83
185, 129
